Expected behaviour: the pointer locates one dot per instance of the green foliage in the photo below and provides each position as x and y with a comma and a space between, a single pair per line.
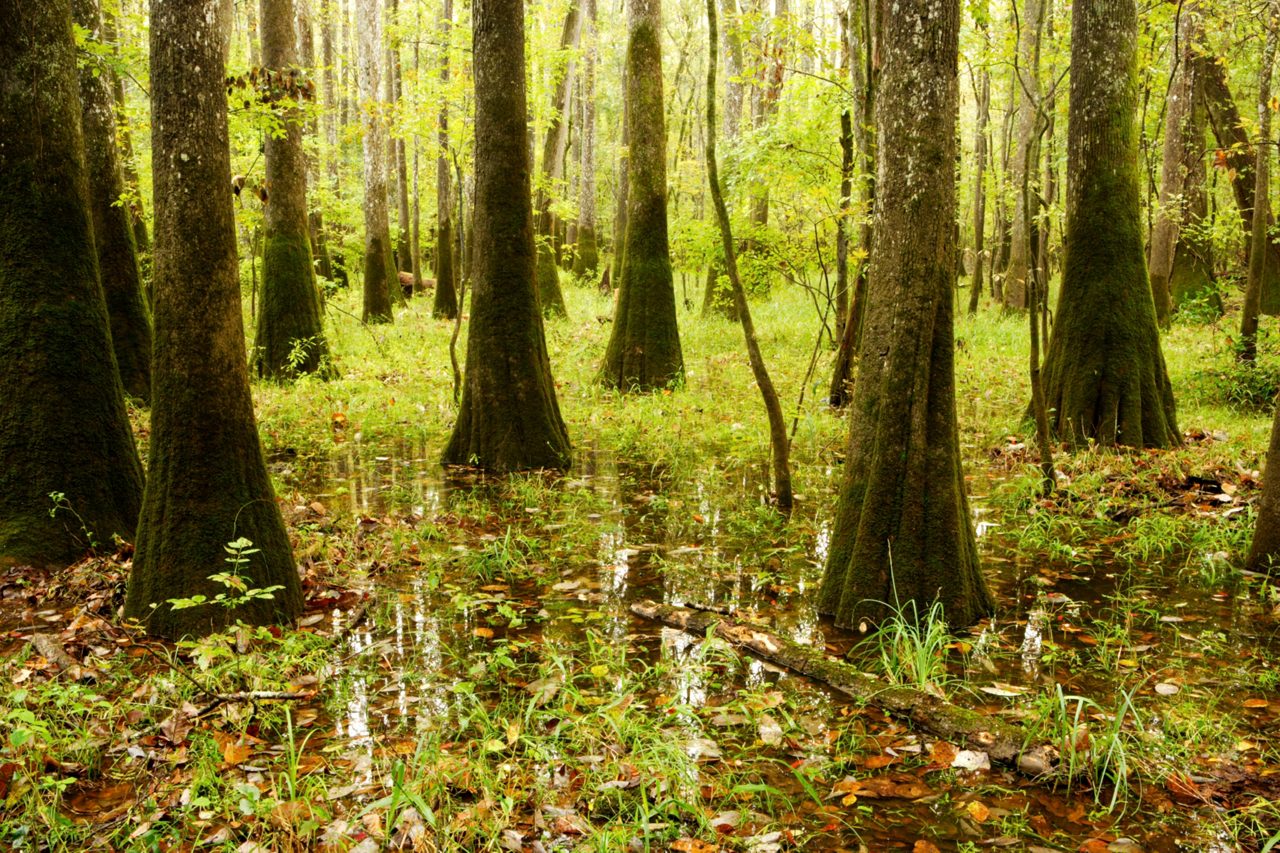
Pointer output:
238, 592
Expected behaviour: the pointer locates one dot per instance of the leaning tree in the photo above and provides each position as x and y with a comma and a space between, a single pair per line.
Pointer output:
207, 483
63, 426
644, 348
1105, 377
290, 336
509, 419
902, 529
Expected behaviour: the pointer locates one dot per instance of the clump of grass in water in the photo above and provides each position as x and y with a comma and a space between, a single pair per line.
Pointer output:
911, 649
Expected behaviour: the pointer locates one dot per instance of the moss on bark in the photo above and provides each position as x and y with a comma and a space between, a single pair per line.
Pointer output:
290, 336
113, 229
445, 304
208, 482
63, 426
509, 418
902, 528
644, 347
1105, 377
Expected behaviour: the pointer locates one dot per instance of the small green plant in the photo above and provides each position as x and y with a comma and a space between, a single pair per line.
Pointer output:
236, 583
60, 503
911, 648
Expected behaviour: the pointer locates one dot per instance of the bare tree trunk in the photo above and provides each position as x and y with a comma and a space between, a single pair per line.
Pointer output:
1026, 155
445, 304
1261, 200
980, 166
379, 269
587, 257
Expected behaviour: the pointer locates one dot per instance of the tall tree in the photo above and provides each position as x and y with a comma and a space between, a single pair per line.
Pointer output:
207, 480
400, 162
380, 279
290, 336
902, 530
315, 214
716, 298
1026, 153
1105, 374
1181, 253
644, 348
552, 172
509, 419
1261, 198
113, 229
112, 35
983, 92
587, 256
446, 296
63, 426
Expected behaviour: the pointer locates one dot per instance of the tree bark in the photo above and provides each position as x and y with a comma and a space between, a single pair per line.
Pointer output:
290, 336
1182, 256
1233, 141
1105, 377
207, 479
980, 164
380, 279
128, 169
902, 529
644, 348
552, 171
587, 257
63, 426
446, 296
315, 215
1261, 199
1026, 154
113, 229
509, 419
718, 300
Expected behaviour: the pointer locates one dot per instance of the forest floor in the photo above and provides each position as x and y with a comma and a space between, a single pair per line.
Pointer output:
469, 675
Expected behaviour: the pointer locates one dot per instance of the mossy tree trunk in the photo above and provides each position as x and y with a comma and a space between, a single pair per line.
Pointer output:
509, 419
1105, 377
400, 161
315, 216
290, 336
587, 256
717, 297
1261, 200
980, 163
113, 230
620, 202
207, 479
902, 529
1264, 551
380, 279
644, 348
1181, 253
552, 172
446, 296
63, 426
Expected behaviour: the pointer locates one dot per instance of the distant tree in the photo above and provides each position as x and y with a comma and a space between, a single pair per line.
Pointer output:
644, 348
509, 419
207, 479
290, 337
1181, 252
1264, 550
446, 296
1262, 218
63, 426
1105, 377
902, 530
587, 256
380, 278
113, 227
1026, 154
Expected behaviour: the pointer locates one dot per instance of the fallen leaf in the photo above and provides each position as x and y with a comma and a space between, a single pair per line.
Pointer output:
1256, 703
1165, 688
693, 845
978, 810
923, 846
235, 752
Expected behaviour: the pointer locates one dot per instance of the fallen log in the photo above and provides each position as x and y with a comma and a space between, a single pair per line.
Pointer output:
1002, 741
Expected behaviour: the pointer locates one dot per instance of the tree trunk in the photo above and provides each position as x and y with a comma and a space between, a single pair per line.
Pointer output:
1182, 258
445, 304
902, 530
404, 254
1264, 551
128, 169
380, 279
207, 480
290, 335
587, 257
553, 148
779, 446
718, 300
509, 419
315, 216
1261, 202
1025, 155
1233, 141
112, 229
63, 426
980, 166
644, 348
1105, 374
621, 202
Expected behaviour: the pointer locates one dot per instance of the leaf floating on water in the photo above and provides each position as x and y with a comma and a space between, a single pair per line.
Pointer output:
1006, 690
898, 786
